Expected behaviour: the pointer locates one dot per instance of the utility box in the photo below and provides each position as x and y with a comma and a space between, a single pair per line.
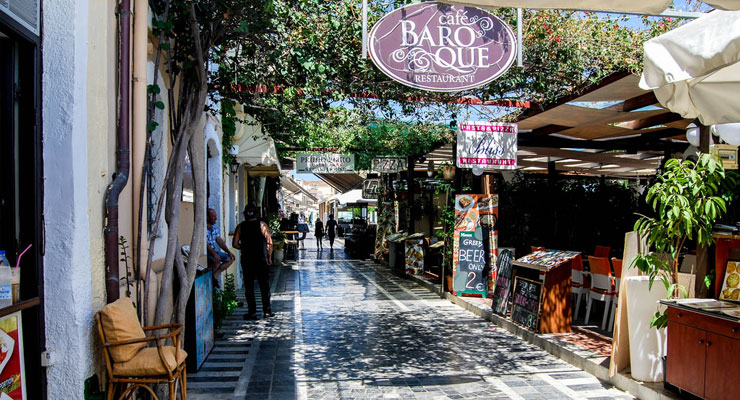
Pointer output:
727, 153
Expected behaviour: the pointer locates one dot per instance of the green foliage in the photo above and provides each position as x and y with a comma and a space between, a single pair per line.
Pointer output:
688, 198
228, 126
446, 216
224, 301
273, 221
296, 66
122, 243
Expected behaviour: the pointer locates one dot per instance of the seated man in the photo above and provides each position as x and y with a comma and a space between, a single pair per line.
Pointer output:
218, 260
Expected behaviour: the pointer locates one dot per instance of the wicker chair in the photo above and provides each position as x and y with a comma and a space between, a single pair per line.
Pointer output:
130, 364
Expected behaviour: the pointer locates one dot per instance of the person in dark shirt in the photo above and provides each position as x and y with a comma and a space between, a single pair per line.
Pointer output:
331, 230
319, 233
254, 239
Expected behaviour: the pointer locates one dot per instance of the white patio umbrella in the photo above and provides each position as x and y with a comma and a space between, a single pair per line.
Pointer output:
641, 6
694, 70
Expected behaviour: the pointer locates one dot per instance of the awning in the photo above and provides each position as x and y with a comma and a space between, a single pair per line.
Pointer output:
632, 6
256, 150
342, 182
694, 70
293, 187
353, 196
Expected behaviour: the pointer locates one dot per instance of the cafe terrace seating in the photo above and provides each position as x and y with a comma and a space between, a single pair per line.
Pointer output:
601, 286
130, 364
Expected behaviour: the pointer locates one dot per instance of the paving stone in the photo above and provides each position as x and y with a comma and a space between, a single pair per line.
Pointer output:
351, 329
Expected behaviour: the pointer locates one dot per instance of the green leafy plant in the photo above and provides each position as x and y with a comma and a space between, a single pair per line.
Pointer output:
224, 301
446, 217
688, 198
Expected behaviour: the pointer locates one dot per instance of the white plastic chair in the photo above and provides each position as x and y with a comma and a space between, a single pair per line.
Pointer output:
601, 287
578, 289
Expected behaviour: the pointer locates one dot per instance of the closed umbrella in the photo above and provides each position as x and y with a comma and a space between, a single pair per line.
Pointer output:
641, 6
694, 70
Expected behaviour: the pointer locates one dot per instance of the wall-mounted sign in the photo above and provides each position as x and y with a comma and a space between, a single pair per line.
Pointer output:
370, 188
442, 47
487, 145
330, 163
389, 165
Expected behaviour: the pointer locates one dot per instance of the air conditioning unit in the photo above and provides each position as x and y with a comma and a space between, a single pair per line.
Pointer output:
727, 153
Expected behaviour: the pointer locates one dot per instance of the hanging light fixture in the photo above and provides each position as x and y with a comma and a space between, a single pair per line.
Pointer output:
730, 133
430, 168
477, 171
692, 134
234, 167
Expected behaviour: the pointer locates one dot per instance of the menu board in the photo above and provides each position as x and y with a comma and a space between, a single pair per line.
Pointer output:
12, 377
548, 259
471, 262
526, 308
731, 282
414, 256
502, 290
386, 225
476, 215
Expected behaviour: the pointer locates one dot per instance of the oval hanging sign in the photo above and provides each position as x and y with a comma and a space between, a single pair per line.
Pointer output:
442, 47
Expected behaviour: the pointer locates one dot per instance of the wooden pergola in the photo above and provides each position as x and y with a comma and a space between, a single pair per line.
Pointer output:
613, 128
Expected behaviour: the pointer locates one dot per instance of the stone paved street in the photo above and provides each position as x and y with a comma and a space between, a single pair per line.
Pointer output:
351, 329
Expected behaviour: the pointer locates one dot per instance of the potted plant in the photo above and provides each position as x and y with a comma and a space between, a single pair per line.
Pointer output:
278, 240
687, 199
448, 171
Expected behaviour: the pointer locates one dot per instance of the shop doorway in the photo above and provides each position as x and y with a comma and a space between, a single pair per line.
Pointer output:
21, 217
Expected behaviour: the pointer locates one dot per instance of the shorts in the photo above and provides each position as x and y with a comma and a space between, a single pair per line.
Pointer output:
224, 256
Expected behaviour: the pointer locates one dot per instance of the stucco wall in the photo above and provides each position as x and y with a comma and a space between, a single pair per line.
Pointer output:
67, 274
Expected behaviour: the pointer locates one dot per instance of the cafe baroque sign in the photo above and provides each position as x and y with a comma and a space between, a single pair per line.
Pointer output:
442, 47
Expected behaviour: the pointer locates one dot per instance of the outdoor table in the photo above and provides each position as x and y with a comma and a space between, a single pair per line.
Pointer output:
554, 267
291, 245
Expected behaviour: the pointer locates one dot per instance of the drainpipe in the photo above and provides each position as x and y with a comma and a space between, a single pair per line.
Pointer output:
120, 178
138, 129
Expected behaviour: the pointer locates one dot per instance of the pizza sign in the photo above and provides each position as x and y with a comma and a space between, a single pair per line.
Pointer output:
389, 165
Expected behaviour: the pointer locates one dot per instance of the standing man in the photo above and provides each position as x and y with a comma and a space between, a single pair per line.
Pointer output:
218, 260
331, 230
253, 238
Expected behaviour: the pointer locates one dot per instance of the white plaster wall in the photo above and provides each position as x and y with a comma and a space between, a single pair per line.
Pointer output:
214, 168
67, 274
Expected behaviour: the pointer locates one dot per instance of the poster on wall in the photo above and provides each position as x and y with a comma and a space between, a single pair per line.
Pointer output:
327, 163
203, 317
12, 377
487, 145
475, 243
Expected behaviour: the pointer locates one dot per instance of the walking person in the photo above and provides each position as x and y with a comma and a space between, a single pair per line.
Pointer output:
319, 233
253, 238
331, 230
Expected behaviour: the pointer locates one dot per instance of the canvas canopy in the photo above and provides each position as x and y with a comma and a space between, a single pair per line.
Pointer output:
255, 149
630, 6
694, 70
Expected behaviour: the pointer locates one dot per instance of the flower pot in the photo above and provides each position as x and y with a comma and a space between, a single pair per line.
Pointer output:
647, 345
448, 172
277, 257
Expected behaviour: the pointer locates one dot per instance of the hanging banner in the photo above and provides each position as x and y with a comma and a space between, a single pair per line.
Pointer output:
487, 145
330, 163
389, 165
475, 243
442, 47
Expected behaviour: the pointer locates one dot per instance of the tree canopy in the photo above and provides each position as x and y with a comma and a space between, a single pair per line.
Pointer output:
297, 67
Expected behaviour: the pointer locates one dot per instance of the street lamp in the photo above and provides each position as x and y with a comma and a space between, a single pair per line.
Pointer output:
234, 167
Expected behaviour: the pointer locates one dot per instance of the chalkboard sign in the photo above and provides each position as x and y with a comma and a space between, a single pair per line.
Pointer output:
471, 261
502, 290
526, 308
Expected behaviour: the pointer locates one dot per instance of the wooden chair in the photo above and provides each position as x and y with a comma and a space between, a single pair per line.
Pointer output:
130, 364
617, 266
601, 286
